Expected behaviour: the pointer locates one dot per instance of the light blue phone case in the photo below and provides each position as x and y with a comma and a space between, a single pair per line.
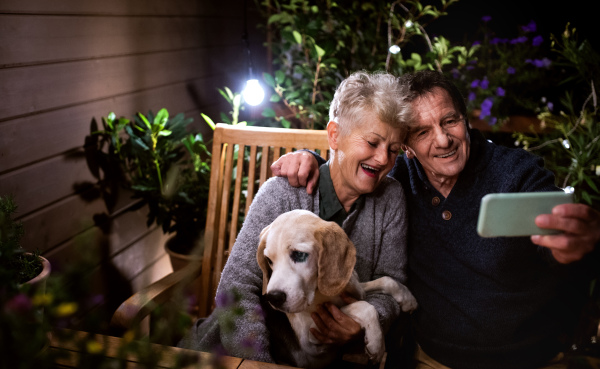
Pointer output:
513, 214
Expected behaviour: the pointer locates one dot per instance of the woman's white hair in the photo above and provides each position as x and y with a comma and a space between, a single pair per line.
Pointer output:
365, 93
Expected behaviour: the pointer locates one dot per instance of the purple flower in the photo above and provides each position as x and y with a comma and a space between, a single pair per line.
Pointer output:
224, 299
484, 83
475, 83
531, 27
249, 343
455, 73
472, 96
495, 41
486, 18
492, 121
476, 43
541, 63
510, 70
470, 67
500, 91
518, 40
537, 40
20, 304
550, 106
486, 108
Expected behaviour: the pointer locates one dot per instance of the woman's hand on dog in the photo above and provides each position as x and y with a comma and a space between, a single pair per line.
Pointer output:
335, 327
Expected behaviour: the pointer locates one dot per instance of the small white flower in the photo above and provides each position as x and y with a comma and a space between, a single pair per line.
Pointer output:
566, 144
394, 49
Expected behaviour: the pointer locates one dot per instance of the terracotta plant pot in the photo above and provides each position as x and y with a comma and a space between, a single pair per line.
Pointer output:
181, 259
38, 284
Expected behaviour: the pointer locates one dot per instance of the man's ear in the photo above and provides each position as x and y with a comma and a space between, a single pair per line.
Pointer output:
333, 134
409, 153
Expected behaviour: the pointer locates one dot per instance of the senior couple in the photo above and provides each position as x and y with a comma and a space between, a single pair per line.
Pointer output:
483, 303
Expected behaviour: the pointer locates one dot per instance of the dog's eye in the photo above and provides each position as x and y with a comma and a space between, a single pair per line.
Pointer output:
298, 256
269, 261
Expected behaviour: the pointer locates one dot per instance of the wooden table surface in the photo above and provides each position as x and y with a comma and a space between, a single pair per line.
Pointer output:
69, 353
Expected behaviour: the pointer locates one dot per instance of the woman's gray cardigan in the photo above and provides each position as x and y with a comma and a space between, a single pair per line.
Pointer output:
378, 231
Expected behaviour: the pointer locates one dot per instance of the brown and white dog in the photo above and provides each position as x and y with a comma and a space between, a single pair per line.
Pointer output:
307, 261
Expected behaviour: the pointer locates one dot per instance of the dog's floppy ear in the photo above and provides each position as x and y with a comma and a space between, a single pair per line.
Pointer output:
260, 257
337, 256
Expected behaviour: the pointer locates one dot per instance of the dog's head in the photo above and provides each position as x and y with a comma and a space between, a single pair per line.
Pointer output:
300, 253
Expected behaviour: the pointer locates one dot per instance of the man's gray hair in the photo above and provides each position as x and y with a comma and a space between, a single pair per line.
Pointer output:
363, 93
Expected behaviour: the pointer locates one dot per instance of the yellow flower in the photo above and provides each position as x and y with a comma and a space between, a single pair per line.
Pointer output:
94, 347
42, 299
128, 336
66, 309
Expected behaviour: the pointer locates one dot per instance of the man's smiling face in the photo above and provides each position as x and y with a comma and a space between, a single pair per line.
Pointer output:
439, 140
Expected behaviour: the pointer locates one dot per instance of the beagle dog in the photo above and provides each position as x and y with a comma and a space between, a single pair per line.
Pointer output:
307, 261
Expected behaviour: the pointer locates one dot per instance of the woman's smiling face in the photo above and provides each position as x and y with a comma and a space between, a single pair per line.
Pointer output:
439, 140
363, 157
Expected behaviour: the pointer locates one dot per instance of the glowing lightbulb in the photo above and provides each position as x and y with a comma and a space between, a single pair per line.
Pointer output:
253, 93
394, 49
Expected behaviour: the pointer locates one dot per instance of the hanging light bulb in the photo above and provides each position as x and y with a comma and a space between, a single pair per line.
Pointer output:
253, 93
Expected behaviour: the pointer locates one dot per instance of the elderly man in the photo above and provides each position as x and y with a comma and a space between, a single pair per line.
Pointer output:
483, 302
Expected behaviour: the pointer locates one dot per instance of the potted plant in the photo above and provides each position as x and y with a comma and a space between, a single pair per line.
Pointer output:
23, 275
167, 168
18, 268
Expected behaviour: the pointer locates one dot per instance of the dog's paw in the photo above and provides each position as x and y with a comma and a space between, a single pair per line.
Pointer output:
409, 303
374, 349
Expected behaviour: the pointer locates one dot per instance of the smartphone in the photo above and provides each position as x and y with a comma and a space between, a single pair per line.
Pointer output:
513, 214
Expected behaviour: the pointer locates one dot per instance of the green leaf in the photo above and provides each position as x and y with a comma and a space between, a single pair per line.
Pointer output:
591, 183
275, 98
274, 18
297, 37
164, 132
162, 117
320, 51
208, 121
145, 120
279, 77
269, 113
285, 123
269, 79
314, 9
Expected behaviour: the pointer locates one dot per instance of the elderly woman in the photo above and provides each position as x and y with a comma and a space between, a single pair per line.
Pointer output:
365, 132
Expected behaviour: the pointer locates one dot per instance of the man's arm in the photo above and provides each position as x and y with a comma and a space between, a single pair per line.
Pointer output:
581, 231
301, 168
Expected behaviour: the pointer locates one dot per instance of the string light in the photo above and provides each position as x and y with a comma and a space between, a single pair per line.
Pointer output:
253, 93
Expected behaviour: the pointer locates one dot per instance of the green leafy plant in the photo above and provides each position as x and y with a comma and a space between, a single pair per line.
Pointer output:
236, 101
570, 143
17, 266
166, 166
317, 44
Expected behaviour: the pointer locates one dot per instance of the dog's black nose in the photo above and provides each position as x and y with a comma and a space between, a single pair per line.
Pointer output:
276, 298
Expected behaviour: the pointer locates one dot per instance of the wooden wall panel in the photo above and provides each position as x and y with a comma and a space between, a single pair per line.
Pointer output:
126, 7
43, 39
46, 87
56, 132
